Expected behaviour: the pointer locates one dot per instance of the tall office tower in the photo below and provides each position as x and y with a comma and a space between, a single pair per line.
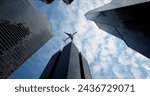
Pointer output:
47, 1
128, 20
23, 30
67, 64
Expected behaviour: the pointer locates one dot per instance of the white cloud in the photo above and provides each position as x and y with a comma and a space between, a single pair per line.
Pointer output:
96, 68
136, 73
123, 60
112, 45
146, 66
117, 71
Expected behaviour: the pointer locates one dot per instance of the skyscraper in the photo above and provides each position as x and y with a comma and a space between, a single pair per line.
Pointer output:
67, 64
23, 30
128, 20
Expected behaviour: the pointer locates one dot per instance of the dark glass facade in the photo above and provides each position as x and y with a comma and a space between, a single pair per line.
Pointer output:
23, 30
67, 64
128, 20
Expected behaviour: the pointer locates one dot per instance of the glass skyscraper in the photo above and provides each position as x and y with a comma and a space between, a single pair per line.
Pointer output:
23, 30
67, 64
128, 20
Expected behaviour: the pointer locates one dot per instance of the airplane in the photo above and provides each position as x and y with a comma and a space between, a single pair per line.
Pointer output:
70, 36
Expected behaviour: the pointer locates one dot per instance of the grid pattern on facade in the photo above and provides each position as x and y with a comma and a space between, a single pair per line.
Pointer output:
23, 30
11, 34
11, 53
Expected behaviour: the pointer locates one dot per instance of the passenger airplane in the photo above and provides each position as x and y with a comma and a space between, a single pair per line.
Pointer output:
70, 36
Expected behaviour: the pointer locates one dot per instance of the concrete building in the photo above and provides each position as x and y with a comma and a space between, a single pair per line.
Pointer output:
128, 20
67, 64
23, 30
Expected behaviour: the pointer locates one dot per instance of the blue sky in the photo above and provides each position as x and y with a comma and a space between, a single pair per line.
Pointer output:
108, 56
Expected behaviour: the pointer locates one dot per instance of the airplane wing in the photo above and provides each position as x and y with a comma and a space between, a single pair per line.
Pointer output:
66, 39
67, 34
74, 33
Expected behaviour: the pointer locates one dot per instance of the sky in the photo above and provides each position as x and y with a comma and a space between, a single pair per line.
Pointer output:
108, 57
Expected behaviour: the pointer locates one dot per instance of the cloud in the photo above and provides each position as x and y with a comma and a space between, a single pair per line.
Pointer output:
146, 67
136, 73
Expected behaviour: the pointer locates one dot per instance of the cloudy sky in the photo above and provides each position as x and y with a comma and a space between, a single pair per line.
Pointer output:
108, 56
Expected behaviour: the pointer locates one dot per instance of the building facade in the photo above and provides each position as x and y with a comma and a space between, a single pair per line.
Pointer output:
128, 20
23, 30
67, 64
